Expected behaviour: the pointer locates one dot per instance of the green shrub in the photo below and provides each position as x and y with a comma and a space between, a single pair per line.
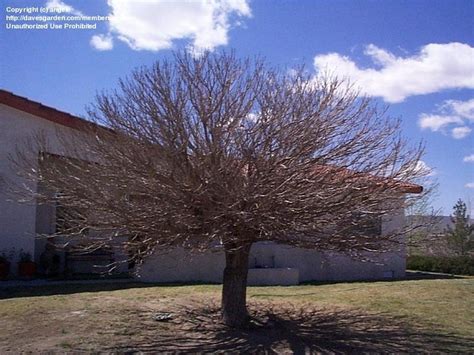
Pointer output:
459, 265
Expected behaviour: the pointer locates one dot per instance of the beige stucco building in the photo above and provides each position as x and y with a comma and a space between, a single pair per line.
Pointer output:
270, 263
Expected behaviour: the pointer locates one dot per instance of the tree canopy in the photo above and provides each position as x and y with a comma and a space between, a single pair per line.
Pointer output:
221, 152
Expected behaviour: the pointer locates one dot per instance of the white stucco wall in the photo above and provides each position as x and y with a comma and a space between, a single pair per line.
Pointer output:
21, 223
17, 221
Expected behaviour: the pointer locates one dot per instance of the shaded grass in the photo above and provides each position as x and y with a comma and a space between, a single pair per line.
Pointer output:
423, 315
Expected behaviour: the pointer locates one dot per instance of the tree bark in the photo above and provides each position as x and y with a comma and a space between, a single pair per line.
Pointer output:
234, 288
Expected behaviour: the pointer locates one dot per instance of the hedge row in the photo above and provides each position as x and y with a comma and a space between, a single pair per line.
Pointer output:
459, 265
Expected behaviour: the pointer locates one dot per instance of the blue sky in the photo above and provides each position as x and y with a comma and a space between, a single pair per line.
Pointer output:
415, 56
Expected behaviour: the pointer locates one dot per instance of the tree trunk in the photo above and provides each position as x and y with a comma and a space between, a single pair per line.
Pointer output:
234, 288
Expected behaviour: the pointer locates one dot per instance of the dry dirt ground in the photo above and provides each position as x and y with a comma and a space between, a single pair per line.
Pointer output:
303, 319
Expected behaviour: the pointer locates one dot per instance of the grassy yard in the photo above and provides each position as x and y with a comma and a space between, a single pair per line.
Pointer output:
421, 315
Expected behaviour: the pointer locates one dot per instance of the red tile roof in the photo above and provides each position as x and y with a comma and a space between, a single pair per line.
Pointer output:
349, 174
38, 109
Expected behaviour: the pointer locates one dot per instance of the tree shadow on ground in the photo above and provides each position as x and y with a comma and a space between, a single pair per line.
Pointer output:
63, 289
277, 329
72, 288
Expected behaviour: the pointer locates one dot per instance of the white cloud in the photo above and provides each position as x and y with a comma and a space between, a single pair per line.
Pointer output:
155, 25
460, 132
102, 42
61, 7
470, 185
469, 159
436, 122
453, 117
435, 68
464, 109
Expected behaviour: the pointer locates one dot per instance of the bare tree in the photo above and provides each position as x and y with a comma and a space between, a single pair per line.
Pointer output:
218, 153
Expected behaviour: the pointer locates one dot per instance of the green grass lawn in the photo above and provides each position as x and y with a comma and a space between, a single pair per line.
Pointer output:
399, 316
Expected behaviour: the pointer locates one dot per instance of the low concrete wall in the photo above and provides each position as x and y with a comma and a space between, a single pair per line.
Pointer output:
179, 265
267, 277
